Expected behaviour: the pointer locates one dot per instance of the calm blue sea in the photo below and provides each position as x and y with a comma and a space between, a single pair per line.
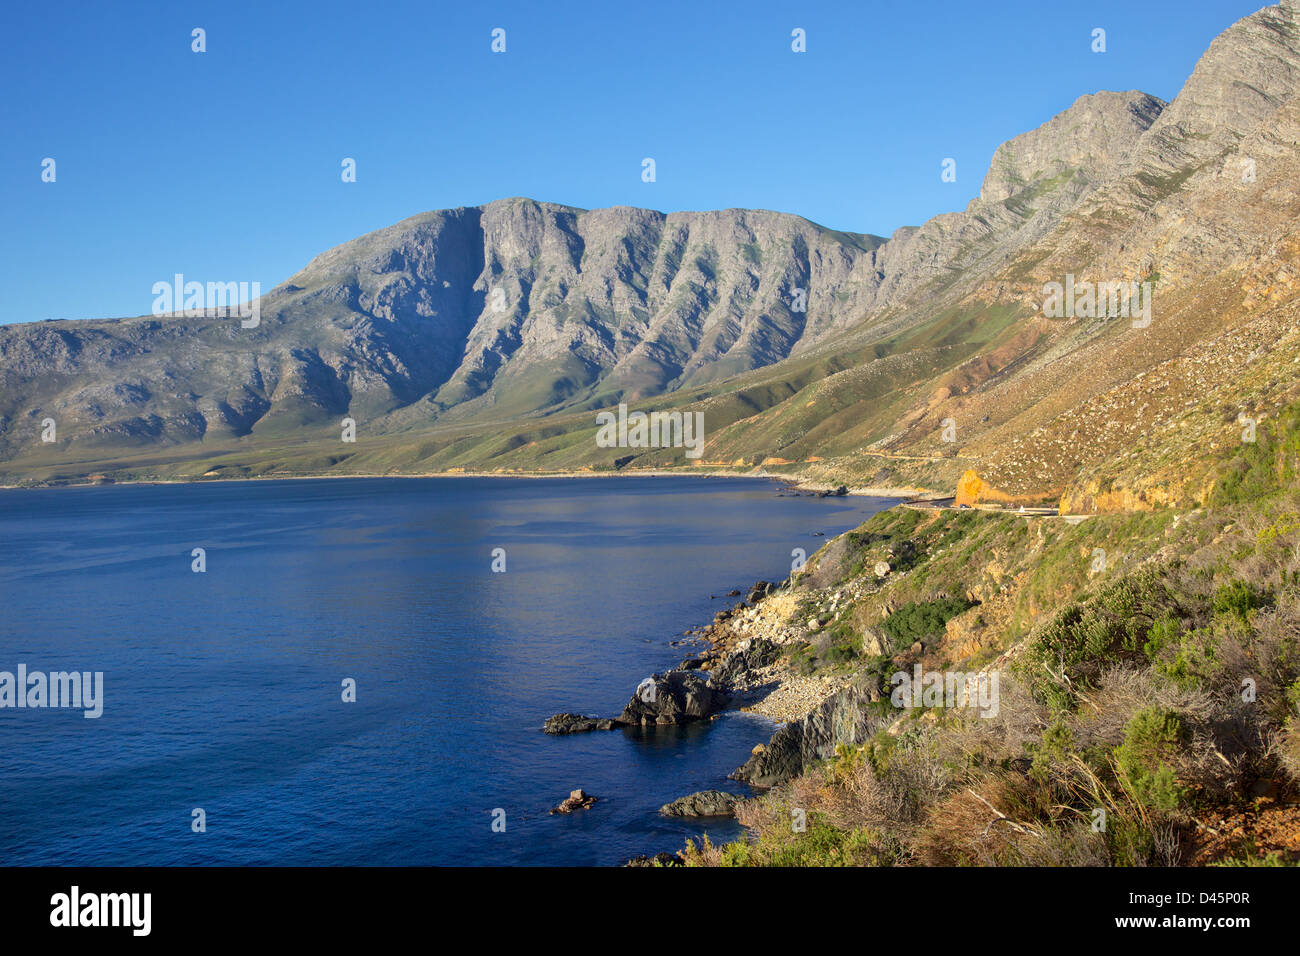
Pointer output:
222, 689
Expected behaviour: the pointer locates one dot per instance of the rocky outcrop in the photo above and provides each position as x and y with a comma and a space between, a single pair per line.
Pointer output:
675, 697
576, 800
847, 717
577, 724
706, 803
1242, 79
1087, 140
746, 655
973, 490
1093, 498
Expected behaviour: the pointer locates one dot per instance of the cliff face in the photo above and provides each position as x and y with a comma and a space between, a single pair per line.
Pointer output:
845, 717
1087, 141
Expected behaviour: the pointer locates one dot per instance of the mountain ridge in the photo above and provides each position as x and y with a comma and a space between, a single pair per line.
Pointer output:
482, 337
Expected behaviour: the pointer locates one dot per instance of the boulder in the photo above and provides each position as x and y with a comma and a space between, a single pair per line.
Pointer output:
875, 643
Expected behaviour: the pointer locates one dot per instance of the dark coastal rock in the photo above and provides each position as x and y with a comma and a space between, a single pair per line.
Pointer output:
759, 590
847, 717
675, 697
748, 655
577, 724
576, 800
706, 803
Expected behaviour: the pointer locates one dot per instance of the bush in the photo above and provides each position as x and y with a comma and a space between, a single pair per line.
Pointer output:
1163, 633
1265, 466
1288, 748
1237, 599
1051, 751
922, 620
1111, 625
1151, 738
776, 843
1270, 860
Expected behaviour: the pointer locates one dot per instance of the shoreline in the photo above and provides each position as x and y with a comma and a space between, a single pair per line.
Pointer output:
792, 482
776, 691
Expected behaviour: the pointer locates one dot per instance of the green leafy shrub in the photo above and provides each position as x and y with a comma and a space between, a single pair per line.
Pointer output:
1152, 737
1252, 860
1109, 625
840, 653
1237, 599
820, 844
922, 620
1057, 741
1265, 466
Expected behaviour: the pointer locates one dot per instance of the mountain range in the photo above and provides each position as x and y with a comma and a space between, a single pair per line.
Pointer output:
486, 338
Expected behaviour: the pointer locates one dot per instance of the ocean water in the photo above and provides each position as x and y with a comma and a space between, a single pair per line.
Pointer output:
223, 689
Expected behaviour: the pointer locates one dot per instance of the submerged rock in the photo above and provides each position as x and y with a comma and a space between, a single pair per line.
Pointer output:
706, 803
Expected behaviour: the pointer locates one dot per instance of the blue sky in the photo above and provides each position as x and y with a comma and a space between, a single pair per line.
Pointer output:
225, 165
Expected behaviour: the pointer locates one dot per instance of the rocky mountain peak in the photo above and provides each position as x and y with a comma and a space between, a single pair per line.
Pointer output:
1092, 136
1243, 78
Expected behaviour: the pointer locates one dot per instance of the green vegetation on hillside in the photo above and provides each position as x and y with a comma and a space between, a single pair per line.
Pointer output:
1150, 683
